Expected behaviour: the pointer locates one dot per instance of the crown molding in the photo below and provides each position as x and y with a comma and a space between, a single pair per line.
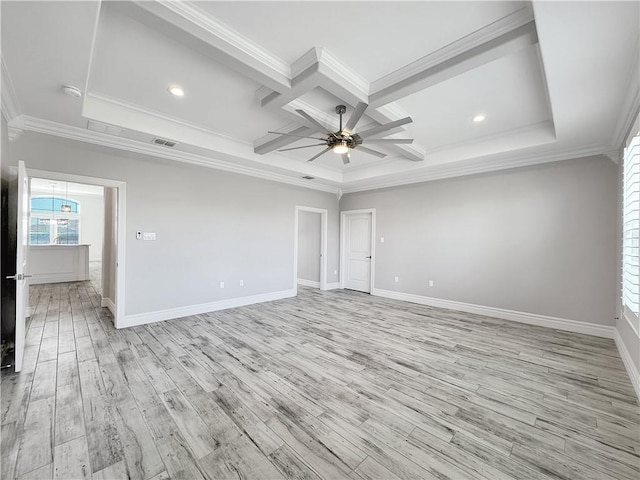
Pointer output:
47, 127
10, 105
459, 169
227, 45
14, 133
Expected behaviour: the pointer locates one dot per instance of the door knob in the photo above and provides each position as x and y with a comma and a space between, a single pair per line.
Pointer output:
369, 256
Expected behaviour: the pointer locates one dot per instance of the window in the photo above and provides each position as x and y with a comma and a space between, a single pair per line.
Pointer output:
631, 224
54, 221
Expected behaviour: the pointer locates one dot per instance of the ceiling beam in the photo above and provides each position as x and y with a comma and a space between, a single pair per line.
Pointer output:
508, 35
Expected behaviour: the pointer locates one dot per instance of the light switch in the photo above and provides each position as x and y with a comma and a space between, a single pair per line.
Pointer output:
381, 239
138, 235
148, 235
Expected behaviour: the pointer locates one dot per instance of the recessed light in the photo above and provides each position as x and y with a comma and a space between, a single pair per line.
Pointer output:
177, 91
72, 91
479, 118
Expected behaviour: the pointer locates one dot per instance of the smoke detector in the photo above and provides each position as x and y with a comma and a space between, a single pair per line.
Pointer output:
72, 91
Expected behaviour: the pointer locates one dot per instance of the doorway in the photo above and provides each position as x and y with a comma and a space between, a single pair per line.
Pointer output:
105, 270
357, 252
310, 248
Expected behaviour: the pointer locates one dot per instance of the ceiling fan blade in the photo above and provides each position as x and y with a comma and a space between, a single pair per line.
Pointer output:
371, 152
294, 135
385, 127
390, 140
346, 158
355, 116
305, 146
321, 153
313, 120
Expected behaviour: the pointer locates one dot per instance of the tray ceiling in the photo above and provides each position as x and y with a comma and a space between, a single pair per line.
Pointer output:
552, 79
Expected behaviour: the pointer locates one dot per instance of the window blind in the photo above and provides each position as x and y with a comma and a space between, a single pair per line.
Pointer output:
631, 227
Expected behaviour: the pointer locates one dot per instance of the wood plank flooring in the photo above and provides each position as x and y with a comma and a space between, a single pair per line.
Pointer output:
335, 385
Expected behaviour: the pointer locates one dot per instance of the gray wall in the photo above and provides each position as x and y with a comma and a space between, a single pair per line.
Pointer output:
211, 226
309, 228
538, 240
109, 252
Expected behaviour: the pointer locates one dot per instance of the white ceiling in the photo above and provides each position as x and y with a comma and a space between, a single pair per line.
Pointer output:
555, 80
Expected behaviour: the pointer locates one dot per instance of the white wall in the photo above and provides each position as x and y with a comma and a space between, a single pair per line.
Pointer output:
309, 228
539, 240
211, 225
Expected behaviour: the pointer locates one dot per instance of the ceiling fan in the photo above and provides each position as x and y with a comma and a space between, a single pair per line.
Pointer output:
344, 140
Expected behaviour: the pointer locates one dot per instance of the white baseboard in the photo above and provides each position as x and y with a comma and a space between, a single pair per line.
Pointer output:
522, 317
629, 364
160, 315
333, 286
56, 278
308, 283
108, 303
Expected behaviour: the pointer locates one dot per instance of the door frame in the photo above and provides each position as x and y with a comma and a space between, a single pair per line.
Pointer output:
323, 245
121, 224
343, 244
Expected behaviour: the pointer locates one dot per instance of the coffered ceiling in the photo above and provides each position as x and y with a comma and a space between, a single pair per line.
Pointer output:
554, 80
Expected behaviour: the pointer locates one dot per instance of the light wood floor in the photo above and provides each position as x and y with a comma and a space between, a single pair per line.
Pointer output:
327, 385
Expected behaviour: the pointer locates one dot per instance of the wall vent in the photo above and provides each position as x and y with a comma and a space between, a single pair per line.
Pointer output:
308, 177
164, 142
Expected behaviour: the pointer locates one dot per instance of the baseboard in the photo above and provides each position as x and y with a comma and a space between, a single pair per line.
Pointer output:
308, 283
56, 278
160, 315
632, 370
108, 303
522, 317
333, 286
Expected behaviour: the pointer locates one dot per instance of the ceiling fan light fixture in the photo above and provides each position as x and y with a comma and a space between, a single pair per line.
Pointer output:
479, 118
341, 147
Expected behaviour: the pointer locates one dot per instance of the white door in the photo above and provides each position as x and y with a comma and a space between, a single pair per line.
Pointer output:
357, 264
22, 287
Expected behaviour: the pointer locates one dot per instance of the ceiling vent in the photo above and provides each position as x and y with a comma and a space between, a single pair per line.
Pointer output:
308, 177
164, 142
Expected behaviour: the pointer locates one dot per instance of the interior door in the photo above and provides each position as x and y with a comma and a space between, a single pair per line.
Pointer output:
22, 286
358, 252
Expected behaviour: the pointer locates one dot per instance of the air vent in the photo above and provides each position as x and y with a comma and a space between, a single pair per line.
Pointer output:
307, 177
164, 142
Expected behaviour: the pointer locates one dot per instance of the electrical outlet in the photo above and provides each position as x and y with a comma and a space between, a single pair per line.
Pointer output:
396, 279
431, 283
242, 283
221, 284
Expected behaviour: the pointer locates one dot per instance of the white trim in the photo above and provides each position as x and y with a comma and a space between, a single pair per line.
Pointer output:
605, 331
333, 286
10, 105
309, 283
323, 245
108, 303
343, 248
504, 161
121, 226
97, 138
631, 324
632, 370
179, 312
